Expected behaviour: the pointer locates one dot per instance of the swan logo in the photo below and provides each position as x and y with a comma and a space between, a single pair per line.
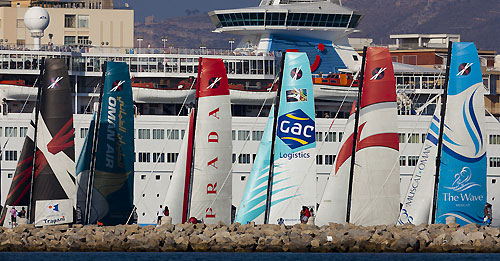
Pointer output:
462, 181
378, 73
464, 69
296, 73
296, 129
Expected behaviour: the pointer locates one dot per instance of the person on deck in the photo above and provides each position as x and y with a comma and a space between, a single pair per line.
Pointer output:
22, 213
488, 215
160, 215
13, 215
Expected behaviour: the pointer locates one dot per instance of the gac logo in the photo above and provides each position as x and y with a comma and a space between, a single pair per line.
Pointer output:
296, 129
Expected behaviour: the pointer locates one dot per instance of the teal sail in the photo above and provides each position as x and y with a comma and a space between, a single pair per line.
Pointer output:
462, 179
112, 194
253, 204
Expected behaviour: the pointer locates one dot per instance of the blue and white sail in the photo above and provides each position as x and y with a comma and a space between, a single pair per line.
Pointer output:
462, 178
294, 175
417, 203
253, 204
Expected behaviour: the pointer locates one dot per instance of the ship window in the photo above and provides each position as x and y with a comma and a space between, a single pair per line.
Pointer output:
172, 157
319, 136
330, 137
10, 131
23, 131
173, 134
423, 137
494, 162
329, 159
354, 21
143, 176
144, 134
340, 135
244, 159
11, 155
158, 157
0, 133
319, 159
158, 134
253, 157
157, 195
69, 21
158, 177
234, 158
402, 161
355, 57
144, 157
9, 175
257, 135
243, 178
413, 138
494, 139
243, 134
493, 181
233, 134
412, 161
84, 132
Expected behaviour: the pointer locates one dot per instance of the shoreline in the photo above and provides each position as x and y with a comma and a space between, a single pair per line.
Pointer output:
438, 238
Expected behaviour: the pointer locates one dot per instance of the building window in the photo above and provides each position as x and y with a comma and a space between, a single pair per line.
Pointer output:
144, 134
69, 40
257, 135
158, 157
412, 161
330, 137
158, 134
413, 138
144, 157
23, 131
402, 137
11, 155
494, 162
20, 42
20, 23
83, 21
173, 134
83, 40
69, 21
244, 159
402, 161
243, 134
329, 159
319, 136
494, 139
10, 131
84, 132
172, 157
319, 159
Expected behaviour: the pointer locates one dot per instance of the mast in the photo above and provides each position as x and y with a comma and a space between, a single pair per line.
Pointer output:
190, 159
33, 169
441, 132
355, 136
88, 205
271, 161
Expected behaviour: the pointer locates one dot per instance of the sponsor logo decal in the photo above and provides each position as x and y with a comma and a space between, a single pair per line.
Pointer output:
296, 73
53, 207
214, 82
296, 95
378, 73
464, 69
54, 82
296, 129
117, 86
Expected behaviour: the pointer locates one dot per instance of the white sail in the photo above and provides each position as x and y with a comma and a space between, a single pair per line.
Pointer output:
417, 204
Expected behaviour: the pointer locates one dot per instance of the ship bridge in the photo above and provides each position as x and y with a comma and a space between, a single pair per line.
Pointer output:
316, 27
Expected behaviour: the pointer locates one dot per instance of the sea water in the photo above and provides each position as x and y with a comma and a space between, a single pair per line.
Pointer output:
111, 256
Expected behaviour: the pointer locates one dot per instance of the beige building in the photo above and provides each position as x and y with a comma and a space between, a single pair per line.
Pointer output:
91, 23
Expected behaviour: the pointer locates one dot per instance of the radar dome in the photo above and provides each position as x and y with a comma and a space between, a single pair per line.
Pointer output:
36, 19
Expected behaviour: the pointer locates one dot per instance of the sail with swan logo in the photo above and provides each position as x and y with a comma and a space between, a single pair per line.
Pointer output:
462, 179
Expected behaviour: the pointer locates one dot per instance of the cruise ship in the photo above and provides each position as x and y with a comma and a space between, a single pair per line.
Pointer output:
163, 88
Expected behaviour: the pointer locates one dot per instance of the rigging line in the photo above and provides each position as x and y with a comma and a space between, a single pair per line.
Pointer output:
364, 208
165, 145
246, 140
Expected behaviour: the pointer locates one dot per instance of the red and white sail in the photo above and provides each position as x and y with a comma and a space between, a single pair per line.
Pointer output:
212, 184
375, 189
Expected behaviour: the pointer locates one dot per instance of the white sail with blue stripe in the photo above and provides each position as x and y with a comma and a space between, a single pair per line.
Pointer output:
417, 204
253, 204
462, 179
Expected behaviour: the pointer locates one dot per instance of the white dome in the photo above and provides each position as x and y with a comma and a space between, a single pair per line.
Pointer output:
36, 19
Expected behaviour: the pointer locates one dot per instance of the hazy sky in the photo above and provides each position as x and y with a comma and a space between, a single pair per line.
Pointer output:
172, 8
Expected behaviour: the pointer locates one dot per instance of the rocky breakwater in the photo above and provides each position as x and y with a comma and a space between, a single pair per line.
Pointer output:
252, 238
